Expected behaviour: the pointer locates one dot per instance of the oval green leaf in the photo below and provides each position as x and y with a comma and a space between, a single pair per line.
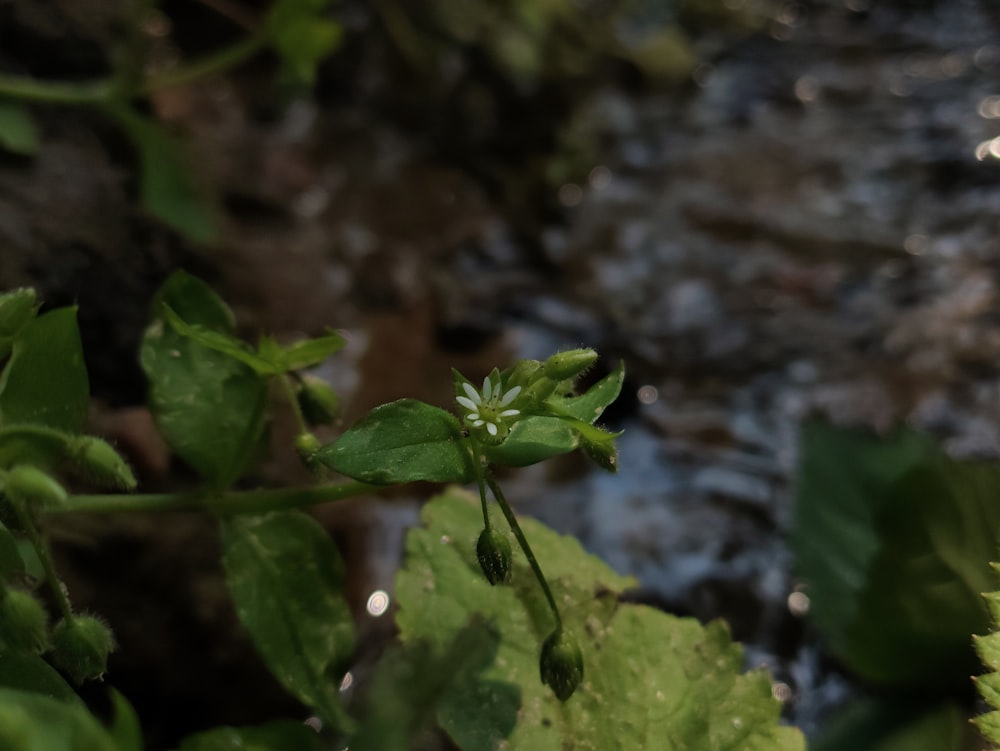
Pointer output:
401, 441
285, 578
283, 735
45, 381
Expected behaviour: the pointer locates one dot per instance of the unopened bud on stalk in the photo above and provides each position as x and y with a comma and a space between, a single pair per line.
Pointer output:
81, 645
561, 664
98, 460
318, 401
306, 446
493, 551
605, 453
25, 484
563, 365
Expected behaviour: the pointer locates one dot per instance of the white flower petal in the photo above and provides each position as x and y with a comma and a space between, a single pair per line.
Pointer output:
479, 423
491, 428
472, 416
510, 412
473, 394
467, 403
510, 396
487, 389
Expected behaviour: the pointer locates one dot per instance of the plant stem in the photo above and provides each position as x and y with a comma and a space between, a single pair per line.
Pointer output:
44, 553
217, 62
228, 502
55, 92
286, 385
477, 462
523, 542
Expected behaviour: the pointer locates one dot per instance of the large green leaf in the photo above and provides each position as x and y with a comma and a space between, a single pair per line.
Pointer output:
125, 728
893, 540
208, 405
401, 441
282, 735
45, 381
30, 673
412, 682
590, 405
651, 680
285, 578
532, 440
33, 722
167, 186
894, 723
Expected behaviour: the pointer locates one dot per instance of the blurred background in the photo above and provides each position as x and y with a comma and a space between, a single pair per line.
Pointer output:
774, 211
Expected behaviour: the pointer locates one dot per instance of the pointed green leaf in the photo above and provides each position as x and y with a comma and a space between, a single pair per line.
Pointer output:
33, 722
591, 405
125, 729
989, 725
285, 578
651, 680
282, 735
17, 307
402, 441
18, 131
302, 36
168, 189
988, 649
220, 342
311, 352
208, 406
533, 439
30, 673
45, 381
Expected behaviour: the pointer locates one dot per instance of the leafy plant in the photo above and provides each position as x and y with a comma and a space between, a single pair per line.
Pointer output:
491, 651
893, 540
299, 32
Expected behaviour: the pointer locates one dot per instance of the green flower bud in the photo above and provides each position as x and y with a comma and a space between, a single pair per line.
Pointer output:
561, 664
563, 365
24, 624
605, 453
318, 401
493, 551
81, 645
98, 460
306, 446
26, 484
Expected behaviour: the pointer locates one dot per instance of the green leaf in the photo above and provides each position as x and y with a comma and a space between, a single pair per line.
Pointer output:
125, 728
18, 131
893, 540
220, 342
282, 735
302, 36
651, 680
894, 724
208, 406
32, 444
30, 673
402, 441
33, 722
45, 381
17, 307
312, 351
533, 439
591, 405
167, 188
285, 578
412, 682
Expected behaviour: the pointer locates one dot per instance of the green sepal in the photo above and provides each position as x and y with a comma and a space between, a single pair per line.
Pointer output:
81, 645
32, 487
567, 365
401, 441
988, 649
561, 664
531, 440
98, 461
493, 551
989, 725
989, 688
24, 624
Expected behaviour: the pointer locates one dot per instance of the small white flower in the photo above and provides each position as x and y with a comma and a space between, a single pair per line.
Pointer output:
486, 408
